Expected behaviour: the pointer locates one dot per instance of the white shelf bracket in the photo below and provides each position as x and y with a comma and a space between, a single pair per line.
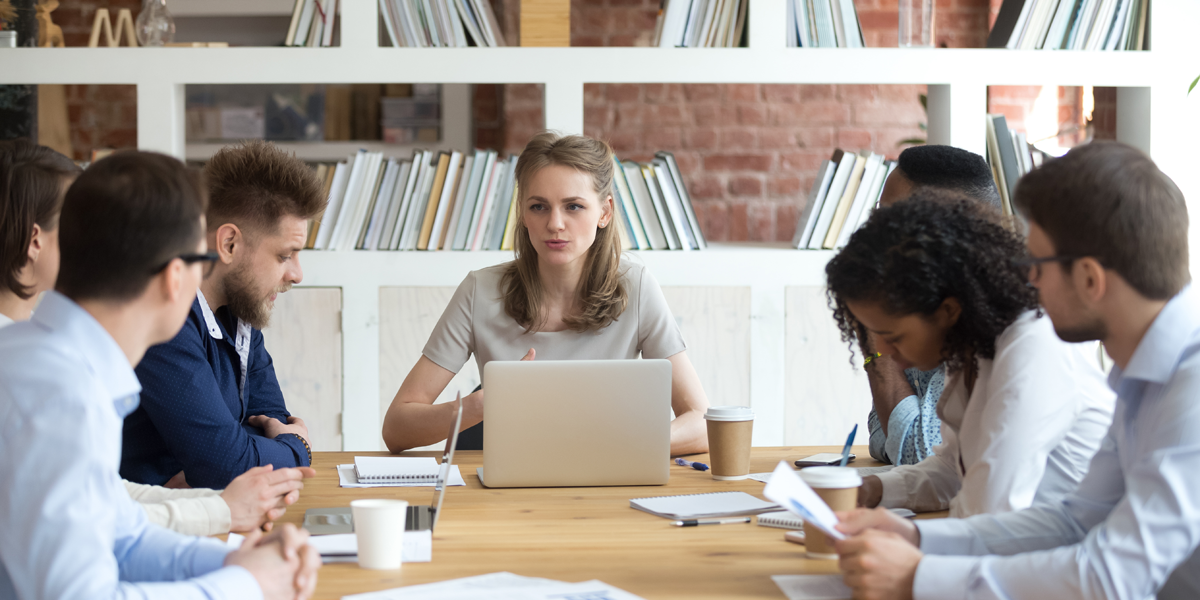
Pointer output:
160, 122
563, 103
956, 116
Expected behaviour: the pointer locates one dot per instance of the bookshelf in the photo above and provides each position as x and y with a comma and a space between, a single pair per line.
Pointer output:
797, 373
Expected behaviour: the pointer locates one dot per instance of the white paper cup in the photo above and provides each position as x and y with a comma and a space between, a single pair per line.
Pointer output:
379, 527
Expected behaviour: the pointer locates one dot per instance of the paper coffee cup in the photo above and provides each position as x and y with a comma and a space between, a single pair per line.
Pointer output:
838, 487
729, 432
379, 527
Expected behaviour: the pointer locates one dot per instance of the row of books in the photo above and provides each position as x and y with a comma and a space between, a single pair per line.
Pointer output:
441, 23
846, 190
823, 24
1071, 25
700, 23
312, 23
1010, 156
457, 201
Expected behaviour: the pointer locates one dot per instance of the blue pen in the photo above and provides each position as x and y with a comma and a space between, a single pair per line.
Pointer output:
846, 450
699, 466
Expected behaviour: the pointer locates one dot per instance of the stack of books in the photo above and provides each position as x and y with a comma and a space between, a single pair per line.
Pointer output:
312, 23
1010, 156
441, 23
823, 24
1071, 25
413, 119
846, 190
701, 23
457, 201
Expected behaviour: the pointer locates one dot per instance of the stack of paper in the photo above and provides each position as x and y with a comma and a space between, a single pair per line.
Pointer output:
500, 586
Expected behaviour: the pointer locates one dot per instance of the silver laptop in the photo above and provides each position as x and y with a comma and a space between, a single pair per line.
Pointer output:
324, 521
576, 423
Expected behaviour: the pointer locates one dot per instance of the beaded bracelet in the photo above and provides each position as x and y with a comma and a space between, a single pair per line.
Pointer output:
307, 448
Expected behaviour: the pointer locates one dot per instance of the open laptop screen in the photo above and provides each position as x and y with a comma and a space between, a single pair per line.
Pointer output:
439, 491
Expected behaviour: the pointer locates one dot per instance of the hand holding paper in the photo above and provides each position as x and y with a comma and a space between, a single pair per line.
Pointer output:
791, 493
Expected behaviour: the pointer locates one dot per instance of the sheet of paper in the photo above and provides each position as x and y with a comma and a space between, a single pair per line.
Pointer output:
792, 494
812, 587
863, 471
348, 479
501, 586
343, 547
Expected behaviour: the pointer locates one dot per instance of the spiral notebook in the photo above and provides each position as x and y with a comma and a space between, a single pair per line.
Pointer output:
703, 506
396, 469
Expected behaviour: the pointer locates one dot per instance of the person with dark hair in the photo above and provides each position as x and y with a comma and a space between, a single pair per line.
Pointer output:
211, 405
931, 281
35, 181
132, 253
1108, 245
903, 422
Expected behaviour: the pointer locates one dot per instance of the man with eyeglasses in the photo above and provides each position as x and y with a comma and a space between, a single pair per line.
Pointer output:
211, 406
131, 235
1109, 246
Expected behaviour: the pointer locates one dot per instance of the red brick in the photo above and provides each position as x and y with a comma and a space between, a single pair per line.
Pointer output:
657, 93
781, 92
817, 92
879, 113
761, 217
526, 93
622, 93
738, 138
593, 93
852, 139
746, 187
877, 19
661, 138
752, 114
623, 142
628, 40
587, 41
688, 162
663, 114
702, 92
774, 138
738, 162
700, 138
857, 93
786, 216
815, 137
628, 115
809, 113
803, 161
714, 220
741, 92
706, 187
738, 221
597, 117
783, 185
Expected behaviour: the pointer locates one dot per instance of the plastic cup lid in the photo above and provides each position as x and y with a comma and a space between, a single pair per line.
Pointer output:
831, 477
729, 413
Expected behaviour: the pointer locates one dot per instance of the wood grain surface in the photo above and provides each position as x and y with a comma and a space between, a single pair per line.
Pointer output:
578, 534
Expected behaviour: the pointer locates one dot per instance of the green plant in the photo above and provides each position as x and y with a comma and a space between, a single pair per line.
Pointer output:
918, 141
1193, 86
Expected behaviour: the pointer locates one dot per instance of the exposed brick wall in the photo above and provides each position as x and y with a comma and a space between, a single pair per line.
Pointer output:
1104, 113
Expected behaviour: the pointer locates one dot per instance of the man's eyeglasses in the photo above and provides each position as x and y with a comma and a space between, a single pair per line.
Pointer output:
1036, 263
208, 257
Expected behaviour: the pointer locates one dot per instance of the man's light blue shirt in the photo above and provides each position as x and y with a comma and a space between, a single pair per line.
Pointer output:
68, 528
1132, 528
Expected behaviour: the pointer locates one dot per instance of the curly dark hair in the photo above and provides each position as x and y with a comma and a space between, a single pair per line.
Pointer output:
912, 256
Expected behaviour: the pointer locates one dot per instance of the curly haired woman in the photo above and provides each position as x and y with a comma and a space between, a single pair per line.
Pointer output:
935, 280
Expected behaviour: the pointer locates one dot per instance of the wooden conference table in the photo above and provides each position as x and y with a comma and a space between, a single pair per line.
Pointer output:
577, 534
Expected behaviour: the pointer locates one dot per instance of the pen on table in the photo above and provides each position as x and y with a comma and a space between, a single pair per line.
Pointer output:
846, 450
699, 466
695, 522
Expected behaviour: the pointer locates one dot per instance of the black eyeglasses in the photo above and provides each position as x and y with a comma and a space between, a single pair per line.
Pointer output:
1036, 262
209, 257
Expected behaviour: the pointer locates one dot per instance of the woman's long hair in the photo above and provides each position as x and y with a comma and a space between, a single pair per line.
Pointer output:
602, 296
31, 193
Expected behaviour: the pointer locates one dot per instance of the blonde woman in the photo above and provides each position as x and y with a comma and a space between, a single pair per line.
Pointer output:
568, 295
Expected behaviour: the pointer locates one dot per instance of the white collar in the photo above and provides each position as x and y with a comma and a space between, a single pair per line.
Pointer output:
210, 320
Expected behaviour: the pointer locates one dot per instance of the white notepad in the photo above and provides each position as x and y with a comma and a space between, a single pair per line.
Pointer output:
703, 506
395, 469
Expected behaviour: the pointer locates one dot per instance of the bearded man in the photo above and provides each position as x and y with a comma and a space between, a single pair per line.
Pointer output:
211, 407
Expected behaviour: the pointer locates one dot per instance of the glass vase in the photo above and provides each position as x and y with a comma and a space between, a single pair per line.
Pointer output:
154, 24
916, 23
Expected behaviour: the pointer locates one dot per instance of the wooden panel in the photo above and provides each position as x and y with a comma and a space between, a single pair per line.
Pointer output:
305, 342
407, 315
825, 394
545, 22
715, 322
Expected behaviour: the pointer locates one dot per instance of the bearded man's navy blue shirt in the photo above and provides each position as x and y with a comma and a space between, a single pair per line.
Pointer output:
194, 406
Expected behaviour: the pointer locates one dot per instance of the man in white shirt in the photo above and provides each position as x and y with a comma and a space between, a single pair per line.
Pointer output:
132, 258
1108, 240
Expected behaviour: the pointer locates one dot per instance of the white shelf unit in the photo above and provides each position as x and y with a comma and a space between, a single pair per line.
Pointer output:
1151, 102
